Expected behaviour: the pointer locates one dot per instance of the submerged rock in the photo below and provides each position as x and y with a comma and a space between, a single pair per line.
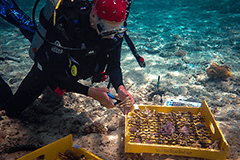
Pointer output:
181, 53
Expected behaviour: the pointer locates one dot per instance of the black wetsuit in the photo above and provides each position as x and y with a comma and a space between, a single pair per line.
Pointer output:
60, 69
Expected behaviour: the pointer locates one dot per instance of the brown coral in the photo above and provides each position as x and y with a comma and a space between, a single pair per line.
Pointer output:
216, 71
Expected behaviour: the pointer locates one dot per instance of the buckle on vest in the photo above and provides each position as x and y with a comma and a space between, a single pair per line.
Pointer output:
59, 92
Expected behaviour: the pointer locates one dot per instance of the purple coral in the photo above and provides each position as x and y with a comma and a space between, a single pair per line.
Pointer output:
168, 129
136, 141
155, 134
133, 129
149, 142
185, 130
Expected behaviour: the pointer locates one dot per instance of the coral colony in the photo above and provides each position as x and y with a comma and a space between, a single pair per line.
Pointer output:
216, 71
167, 129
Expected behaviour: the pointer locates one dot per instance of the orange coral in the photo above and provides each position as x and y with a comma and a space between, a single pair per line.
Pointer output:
216, 71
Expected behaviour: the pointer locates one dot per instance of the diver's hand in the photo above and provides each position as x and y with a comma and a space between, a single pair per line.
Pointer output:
100, 94
122, 95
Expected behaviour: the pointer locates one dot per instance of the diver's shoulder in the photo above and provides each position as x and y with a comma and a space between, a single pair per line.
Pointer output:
49, 8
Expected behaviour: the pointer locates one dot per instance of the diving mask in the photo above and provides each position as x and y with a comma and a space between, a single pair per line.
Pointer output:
106, 28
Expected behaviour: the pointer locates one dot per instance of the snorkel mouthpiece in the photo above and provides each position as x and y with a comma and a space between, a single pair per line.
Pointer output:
106, 28
106, 32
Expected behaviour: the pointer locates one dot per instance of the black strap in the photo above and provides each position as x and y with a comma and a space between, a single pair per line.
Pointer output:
129, 41
129, 2
44, 22
134, 51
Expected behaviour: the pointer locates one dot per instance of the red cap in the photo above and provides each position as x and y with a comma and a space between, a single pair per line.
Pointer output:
111, 10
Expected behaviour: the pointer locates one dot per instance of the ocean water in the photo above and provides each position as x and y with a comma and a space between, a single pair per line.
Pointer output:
208, 31
160, 28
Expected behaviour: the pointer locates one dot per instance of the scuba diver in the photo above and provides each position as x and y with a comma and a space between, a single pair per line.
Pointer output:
75, 40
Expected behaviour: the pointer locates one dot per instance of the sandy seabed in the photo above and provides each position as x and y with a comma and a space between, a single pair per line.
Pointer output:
182, 77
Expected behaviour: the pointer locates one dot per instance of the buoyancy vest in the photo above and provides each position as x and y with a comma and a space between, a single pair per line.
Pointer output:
73, 29
72, 24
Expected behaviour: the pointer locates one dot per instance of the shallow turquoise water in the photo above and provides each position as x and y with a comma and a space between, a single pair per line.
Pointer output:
207, 30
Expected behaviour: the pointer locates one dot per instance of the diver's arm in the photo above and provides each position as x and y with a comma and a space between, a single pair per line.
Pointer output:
117, 79
59, 79
114, 68
100, 94
65, 83
77, 88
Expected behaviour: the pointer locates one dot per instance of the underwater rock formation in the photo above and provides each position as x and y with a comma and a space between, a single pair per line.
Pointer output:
216, 71
181, 53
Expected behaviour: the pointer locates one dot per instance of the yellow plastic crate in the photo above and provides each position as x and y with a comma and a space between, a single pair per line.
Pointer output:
216, 133
51, 151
